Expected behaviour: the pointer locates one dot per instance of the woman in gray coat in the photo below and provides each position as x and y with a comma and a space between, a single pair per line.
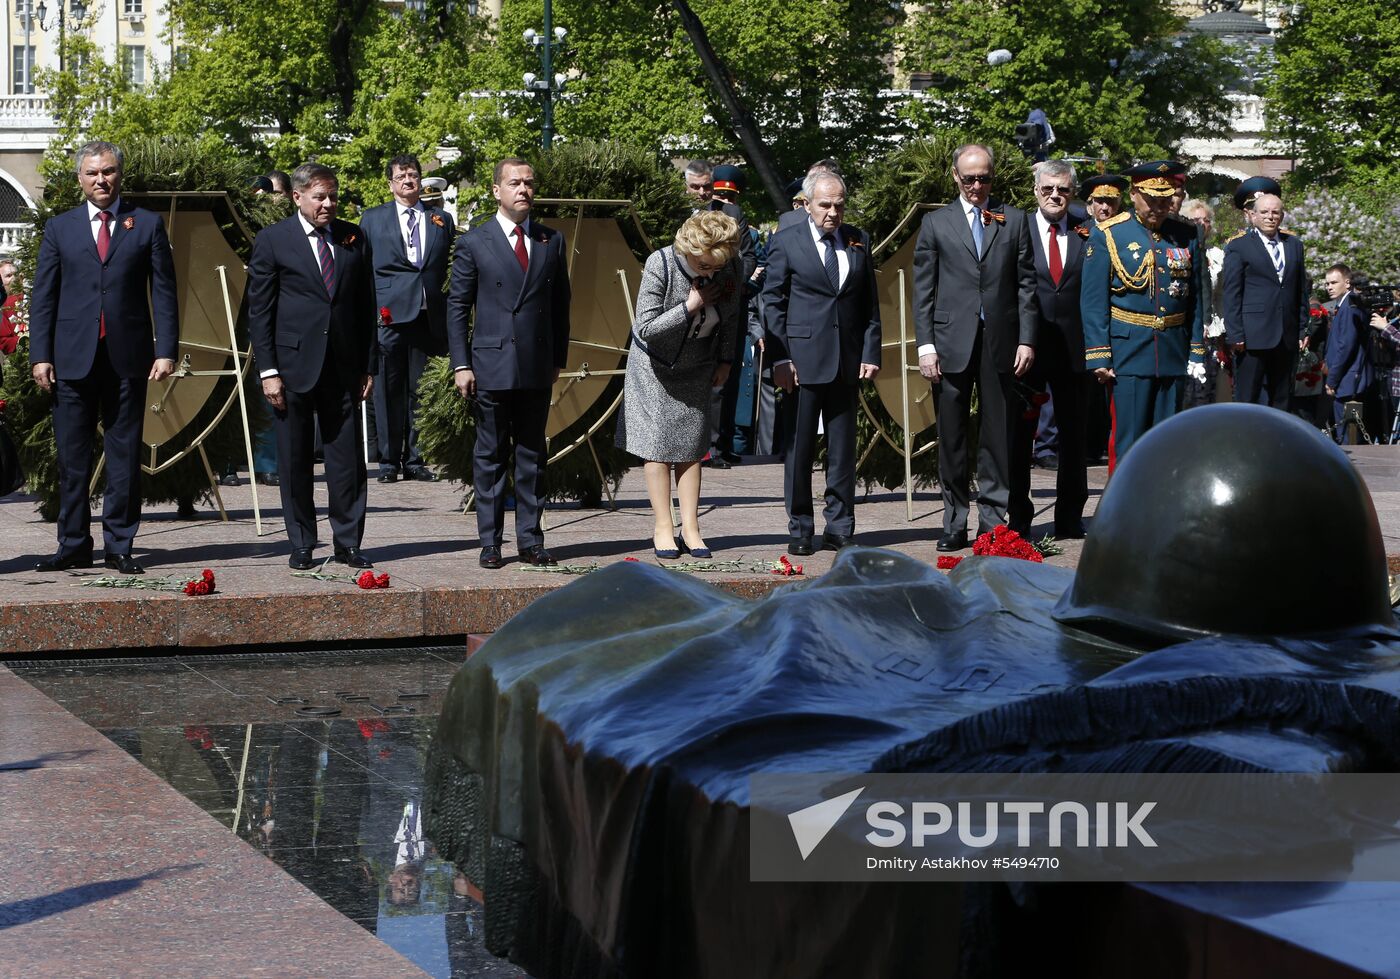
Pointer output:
683, 339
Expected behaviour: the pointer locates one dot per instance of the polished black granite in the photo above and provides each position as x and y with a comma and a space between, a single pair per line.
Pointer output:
333, 801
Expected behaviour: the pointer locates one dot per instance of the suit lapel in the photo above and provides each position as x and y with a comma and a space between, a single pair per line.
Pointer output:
428, 238
1042, 260
964, 226
396, 230
989, 231
119, 219
1073, 246
537, 250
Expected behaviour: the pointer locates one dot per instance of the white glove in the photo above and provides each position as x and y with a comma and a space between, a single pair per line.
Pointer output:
1197, 372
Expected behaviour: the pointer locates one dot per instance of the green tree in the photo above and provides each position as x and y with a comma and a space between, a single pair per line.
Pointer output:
1117, 80
1334, 94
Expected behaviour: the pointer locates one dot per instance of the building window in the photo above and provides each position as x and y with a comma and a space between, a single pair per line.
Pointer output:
133, 8
134, 64
22, 58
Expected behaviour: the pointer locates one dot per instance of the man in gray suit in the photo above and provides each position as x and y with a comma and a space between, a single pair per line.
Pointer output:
824, 339
412, 245
975, 317
515, 275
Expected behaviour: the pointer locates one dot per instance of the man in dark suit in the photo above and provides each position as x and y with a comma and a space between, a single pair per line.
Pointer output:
1349, 369
975, 318
1058, 245
412, 245
91, 346
1265, 297
823, 322
311, 316
514, 273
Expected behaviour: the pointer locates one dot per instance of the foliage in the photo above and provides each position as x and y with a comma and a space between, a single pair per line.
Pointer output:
1117, 80
920, 171
152, 164
1336, 226
1335, 90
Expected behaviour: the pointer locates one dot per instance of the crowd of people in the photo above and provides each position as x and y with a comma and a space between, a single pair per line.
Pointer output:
1055, 316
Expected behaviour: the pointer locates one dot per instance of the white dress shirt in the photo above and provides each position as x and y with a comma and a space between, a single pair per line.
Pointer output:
508, 226
1042, 226
94, 211
843, 261
409, 248
1282, 252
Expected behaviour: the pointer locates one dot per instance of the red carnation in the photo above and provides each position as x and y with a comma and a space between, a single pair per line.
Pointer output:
632, 559
385, 317
366, 580
382, 580
947, 562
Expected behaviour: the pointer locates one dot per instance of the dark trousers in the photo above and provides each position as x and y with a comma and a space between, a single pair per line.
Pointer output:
1267, 371
403, 354
1138, 404
835, 405
337, 412
954, 397
118, 403
1070, 394
506, 421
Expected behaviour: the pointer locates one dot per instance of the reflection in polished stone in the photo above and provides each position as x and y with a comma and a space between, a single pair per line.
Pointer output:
335, 802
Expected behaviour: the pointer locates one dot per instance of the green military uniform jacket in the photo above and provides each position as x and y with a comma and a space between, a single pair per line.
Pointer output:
1143, 297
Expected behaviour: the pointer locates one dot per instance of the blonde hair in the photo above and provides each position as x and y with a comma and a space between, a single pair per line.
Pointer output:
709, 233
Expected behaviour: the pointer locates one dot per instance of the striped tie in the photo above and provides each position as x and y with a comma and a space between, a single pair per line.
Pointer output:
1276, 254
323, 252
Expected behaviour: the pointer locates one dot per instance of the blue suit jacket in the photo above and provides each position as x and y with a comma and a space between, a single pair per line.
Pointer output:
1349, 370
1259, 310
73, 289
825, 333
398, 283
520, 335
294, 324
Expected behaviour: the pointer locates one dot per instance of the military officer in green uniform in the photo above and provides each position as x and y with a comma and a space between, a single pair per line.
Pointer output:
1141, 299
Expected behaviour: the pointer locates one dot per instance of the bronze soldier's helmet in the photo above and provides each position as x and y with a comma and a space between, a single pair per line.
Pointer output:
1234, 519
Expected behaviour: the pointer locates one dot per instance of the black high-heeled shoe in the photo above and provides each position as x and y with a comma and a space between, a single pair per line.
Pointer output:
701, 553
669, 553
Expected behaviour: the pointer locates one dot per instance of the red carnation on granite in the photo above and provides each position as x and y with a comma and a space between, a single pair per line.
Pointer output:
786, 568
1002, 541
632, 559
368, 580
203, 585
947, 562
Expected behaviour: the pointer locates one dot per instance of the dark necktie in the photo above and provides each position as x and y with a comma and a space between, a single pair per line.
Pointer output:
413, 238
833, 270
1057, 267
522, 256
104, 243
323, 252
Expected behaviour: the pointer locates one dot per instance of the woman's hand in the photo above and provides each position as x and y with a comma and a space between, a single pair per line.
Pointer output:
707, 294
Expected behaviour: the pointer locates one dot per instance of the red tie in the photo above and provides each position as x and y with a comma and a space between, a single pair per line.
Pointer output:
521, 255
104, 241
1056, 266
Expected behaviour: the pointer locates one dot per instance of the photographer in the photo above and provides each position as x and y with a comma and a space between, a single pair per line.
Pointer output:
1349, 370
1385, 320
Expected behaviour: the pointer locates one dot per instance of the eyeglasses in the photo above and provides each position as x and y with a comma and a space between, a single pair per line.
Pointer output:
1053, 191
968, 179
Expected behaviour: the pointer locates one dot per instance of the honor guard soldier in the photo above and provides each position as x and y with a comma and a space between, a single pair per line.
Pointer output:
1142, 293
1103, 195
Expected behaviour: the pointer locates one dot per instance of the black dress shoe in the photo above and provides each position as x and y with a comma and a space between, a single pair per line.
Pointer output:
536, 554
801, 546
1069, 533
715, 462
490, 557
300, 559
422, 474
63, 562
733, 458
268, 479
123, 563
834, 542
1051, 463
229, 479
953, 542
388, 476
352, 557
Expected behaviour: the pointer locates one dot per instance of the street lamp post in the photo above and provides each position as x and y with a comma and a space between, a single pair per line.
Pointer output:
546, 43
75, 8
